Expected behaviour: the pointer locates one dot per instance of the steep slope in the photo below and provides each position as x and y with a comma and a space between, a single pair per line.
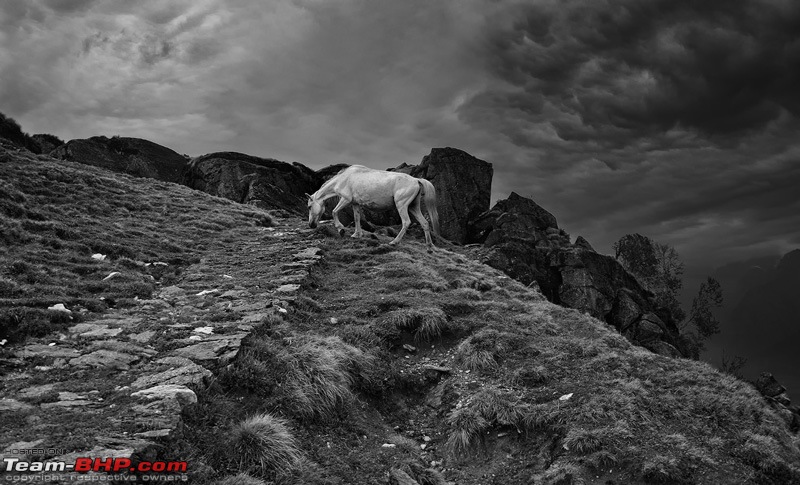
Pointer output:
381, 360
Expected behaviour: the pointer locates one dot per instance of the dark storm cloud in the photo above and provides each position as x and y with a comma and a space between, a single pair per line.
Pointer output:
633, 69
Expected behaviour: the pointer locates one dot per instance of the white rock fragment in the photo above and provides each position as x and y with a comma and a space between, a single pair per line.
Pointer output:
195, 337
59, 307
99, 257
204, 330
206, 292
565, 397
388, 445
113, 274
334, 320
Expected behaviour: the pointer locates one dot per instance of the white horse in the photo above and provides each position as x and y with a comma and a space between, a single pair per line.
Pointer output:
377, 189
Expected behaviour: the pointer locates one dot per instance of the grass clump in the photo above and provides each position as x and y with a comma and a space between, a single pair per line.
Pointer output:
482, 351
582, 441
310, 377
263, 443
427, 323
471, 420
665, 469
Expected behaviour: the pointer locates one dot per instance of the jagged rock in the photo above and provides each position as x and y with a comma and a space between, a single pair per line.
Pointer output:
190, 373
143, 337
213, 348
105, 358
12, 405
515, 218
92, 330
134, 156
47, 143
175, 392
523, 240
647, 329
582, 243
768, 385
266, 183
47, 352
463, 187
36, 393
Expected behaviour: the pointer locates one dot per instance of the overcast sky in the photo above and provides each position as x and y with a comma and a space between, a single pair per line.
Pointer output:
674, 119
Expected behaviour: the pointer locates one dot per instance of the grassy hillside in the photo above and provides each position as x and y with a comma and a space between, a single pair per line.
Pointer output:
507, 386
55, 215
387, 360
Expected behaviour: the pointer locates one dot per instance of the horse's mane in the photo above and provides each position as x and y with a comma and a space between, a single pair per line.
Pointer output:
333, 179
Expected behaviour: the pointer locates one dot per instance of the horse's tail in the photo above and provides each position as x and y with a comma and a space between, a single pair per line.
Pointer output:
429, 194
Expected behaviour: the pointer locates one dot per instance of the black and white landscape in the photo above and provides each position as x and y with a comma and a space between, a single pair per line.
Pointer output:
555, 132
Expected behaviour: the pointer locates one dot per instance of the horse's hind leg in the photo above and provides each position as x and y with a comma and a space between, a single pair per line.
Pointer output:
357, 218
336, 222
406, 222
416, 211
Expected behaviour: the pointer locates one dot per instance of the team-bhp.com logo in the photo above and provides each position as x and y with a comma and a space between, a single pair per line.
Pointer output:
94, 470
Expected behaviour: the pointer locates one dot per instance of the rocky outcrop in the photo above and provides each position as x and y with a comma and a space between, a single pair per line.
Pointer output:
134, 156
522, 239
775, 395
47, 143
264, 182
463, 187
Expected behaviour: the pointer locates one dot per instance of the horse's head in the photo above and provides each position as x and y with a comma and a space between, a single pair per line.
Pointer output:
315, 210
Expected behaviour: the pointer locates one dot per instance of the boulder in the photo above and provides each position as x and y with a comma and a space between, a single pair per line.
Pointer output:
516, 218
463, 187
134, 156
768, 386
264, 182
582, 243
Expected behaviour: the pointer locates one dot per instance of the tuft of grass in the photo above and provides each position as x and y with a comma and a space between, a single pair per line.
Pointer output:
582, 441
470, 420
560, 474
482, 351
665, 469
310, 377
427, 323
263, 443
531, 376
467, 428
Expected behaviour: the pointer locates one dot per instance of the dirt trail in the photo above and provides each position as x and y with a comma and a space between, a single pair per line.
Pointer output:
116, 384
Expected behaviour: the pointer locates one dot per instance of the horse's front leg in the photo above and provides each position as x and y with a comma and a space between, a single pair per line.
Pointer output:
336, 222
